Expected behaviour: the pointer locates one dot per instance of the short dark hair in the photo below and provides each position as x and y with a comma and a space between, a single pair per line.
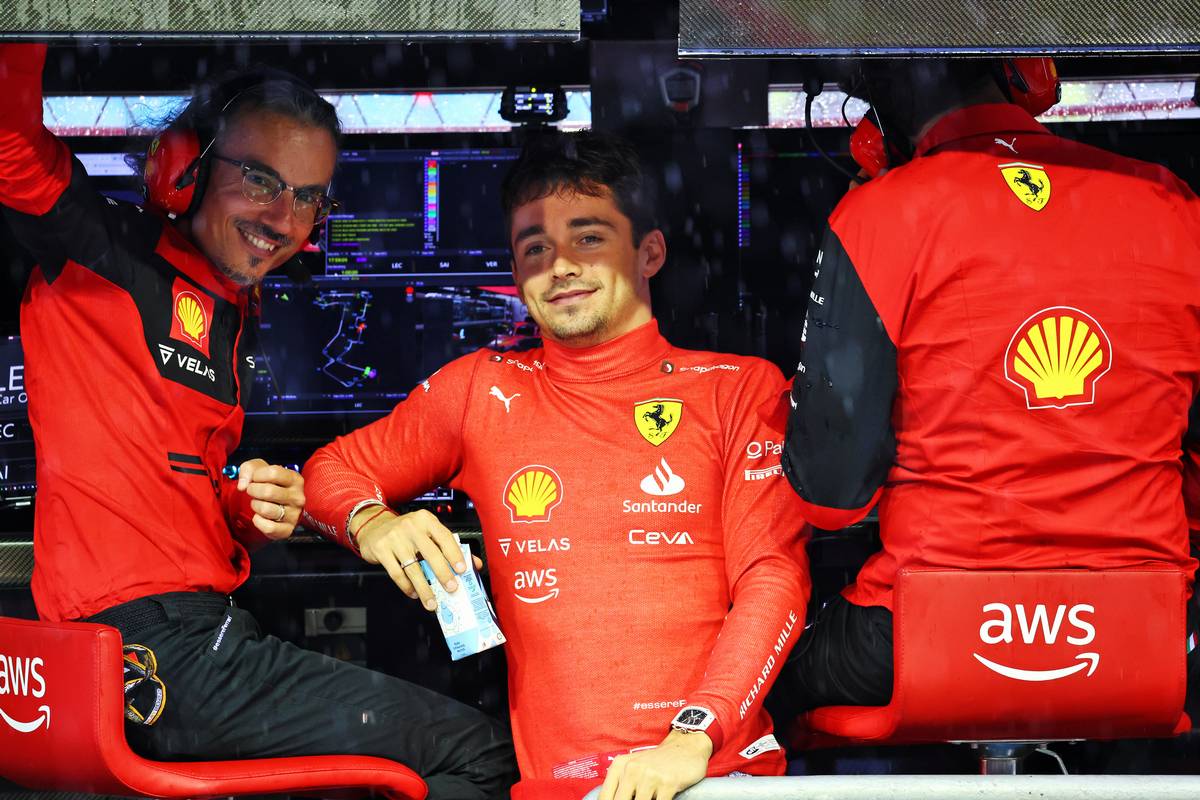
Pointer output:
586, 162
907, 92
218, 100
214, 103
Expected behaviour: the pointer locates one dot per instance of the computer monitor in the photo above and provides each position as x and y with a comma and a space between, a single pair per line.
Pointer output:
420, 215
17, 466
356, 348
416, 274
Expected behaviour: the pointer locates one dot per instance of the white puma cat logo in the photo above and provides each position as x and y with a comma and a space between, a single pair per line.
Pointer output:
1010, 145
499, 395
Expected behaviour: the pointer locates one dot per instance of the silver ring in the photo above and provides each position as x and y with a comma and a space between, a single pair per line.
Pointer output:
282, 513
409, 563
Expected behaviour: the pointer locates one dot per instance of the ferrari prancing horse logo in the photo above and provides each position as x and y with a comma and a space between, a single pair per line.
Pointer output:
657, 419
1028, 182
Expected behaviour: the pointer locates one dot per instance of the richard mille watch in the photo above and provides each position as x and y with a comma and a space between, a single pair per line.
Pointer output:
694, 719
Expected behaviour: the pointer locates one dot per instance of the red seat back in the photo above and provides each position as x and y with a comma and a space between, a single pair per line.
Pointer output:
1061, 654
61, 704
62, 727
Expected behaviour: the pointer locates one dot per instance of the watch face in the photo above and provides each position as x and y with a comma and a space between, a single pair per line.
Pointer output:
692, 716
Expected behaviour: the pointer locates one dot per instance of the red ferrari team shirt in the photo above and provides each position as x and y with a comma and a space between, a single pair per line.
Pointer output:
1003, 345
133, 347
637, 528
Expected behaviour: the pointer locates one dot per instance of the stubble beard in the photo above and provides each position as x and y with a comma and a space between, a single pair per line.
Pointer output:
235, 275
577, 324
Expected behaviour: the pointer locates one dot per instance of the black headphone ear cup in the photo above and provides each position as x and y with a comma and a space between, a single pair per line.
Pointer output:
1015, 76
199, 176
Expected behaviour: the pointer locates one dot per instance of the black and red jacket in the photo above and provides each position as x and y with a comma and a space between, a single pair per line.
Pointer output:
1003, 350
135, 355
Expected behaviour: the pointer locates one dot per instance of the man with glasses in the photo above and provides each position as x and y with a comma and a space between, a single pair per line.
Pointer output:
137, 349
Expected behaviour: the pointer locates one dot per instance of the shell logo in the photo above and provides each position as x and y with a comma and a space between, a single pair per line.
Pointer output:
193, 322
532, 493
1057, 356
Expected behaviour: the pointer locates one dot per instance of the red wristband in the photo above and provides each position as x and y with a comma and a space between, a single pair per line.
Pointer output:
353, 537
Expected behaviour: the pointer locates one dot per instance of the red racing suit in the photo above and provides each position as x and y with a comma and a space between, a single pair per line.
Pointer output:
1003, 349
637, 529
133, 343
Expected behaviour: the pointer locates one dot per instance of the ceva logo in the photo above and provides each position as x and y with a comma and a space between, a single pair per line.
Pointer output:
1002, 630
20, 677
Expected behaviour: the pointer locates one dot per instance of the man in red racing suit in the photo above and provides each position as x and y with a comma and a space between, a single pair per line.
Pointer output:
1003, 350
137, 359
634, 512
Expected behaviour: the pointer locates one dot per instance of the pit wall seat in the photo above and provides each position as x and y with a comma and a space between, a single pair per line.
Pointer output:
62, 728
1025, 656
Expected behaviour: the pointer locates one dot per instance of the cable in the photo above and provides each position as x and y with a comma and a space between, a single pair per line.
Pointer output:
812, 88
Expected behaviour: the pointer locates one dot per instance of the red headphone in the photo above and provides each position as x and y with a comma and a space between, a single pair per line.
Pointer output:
1031, 83
171, 171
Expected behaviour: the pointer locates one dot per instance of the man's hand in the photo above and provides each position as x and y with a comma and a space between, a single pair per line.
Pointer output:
659, 774
398, 543
277, 496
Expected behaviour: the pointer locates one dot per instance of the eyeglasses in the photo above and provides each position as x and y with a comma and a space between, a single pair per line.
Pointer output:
263, 185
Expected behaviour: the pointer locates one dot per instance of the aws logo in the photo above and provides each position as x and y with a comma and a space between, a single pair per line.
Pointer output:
1035, 624
539, 585
20, 677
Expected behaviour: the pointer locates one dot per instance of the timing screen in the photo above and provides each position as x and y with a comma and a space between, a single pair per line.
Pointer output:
343, 347
428, 215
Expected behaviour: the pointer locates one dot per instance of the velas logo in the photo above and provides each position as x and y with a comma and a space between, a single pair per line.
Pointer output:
527, 546
1057, 356
22, 677
191, 315
657, 419
1029, 182
532, 493
1034, 625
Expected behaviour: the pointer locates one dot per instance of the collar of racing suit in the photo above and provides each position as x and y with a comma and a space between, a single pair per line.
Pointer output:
624, 355
987, 118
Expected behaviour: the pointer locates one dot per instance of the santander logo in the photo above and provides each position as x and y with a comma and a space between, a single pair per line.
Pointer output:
19, 677
1036, 624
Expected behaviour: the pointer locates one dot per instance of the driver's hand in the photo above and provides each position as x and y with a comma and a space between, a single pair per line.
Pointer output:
399, 542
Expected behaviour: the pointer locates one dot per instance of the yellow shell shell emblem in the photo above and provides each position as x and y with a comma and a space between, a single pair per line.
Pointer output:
657, 419
1057, 356
532, 493
192, 320
1028, 182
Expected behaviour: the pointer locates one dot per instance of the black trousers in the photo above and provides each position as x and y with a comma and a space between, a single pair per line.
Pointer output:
234, 693
845, 658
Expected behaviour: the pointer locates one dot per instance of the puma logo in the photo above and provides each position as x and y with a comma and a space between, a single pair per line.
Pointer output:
499, 395
1010, 145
